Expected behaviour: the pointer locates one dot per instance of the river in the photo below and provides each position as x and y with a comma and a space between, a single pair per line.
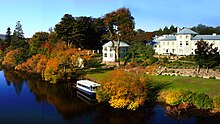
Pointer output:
29, 100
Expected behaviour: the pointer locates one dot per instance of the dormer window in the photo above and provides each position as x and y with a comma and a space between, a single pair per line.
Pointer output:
181, 43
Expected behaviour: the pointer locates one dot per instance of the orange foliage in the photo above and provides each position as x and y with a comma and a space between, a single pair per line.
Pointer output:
151, 69
31, 64
10, 58
123, 89
51, 69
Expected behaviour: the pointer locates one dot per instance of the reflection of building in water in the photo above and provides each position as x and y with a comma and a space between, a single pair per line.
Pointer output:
89, 99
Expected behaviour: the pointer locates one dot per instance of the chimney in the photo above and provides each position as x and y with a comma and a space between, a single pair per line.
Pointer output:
178, 30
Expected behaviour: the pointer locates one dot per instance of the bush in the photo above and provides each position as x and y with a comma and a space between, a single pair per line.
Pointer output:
123, 90
212, 77
216, 103
202, 101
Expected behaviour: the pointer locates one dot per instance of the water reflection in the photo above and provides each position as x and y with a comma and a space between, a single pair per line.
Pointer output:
42, 102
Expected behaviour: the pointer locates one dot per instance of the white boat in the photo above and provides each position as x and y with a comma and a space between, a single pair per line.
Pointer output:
87, 86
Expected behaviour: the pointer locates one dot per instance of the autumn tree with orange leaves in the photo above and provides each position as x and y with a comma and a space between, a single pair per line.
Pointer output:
123, 90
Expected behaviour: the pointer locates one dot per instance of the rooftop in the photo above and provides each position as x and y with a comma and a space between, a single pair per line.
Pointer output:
206, 37
187, 31
122, 44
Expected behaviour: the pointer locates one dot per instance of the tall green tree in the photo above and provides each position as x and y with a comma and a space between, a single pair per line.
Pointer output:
173, 29
83, 32
206, 55
120, 25
65, 29
18, 40
166, 30
36, 42
8, 35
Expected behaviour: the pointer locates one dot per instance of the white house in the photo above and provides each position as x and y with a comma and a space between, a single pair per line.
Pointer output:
109, 53
183, 42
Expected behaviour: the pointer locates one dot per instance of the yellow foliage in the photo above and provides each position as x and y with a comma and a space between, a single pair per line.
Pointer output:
123, 89
10, 58
171, 97
216, 104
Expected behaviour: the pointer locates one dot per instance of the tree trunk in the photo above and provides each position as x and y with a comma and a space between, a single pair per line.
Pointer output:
207, 70
198, 69
118, 54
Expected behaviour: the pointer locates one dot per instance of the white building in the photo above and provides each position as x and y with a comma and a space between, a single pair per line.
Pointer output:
109, 53
183, 42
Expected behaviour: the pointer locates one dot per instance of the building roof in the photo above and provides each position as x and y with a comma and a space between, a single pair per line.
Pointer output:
168, 38
122, 44
2, 37
206, 37
186, 31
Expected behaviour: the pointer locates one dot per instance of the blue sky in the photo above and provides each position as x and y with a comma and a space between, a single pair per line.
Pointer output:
150, 15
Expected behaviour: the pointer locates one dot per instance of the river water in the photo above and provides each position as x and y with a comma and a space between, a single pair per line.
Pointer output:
30, 101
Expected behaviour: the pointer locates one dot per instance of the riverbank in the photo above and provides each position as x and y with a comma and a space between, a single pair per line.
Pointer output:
176, 90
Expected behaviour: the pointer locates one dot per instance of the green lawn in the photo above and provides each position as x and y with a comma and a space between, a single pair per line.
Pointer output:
207, 86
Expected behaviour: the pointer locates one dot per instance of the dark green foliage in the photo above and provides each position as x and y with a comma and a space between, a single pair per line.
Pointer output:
8, 37
206, 55
36, 42
202, 101
139, 52
166, 30
18, 40
83, 32
204, 30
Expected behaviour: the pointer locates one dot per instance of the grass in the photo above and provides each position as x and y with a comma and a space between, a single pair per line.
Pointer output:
210, 87
97, 75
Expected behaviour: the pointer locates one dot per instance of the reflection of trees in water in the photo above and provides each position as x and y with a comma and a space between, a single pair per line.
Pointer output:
63, 96
110, 115
15, 79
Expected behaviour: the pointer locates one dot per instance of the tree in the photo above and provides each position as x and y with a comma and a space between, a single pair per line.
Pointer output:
18, 40
120, 26
36, 42
65, 29
173, 29
166, 30
10, 59
206, 55
8, 35
139, 52
123, 90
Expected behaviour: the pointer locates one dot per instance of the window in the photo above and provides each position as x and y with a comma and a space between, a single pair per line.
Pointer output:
111, 55
167, 50
180, 50
180, 37
111, 49
168, 43
187, 43
173, 43
186, 37
105, 48
213, 42
164, 49
105, 55
163, 43
181, 43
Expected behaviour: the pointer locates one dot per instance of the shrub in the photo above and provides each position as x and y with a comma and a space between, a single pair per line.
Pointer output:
216, 103
123, 90
212, 77
202, 101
